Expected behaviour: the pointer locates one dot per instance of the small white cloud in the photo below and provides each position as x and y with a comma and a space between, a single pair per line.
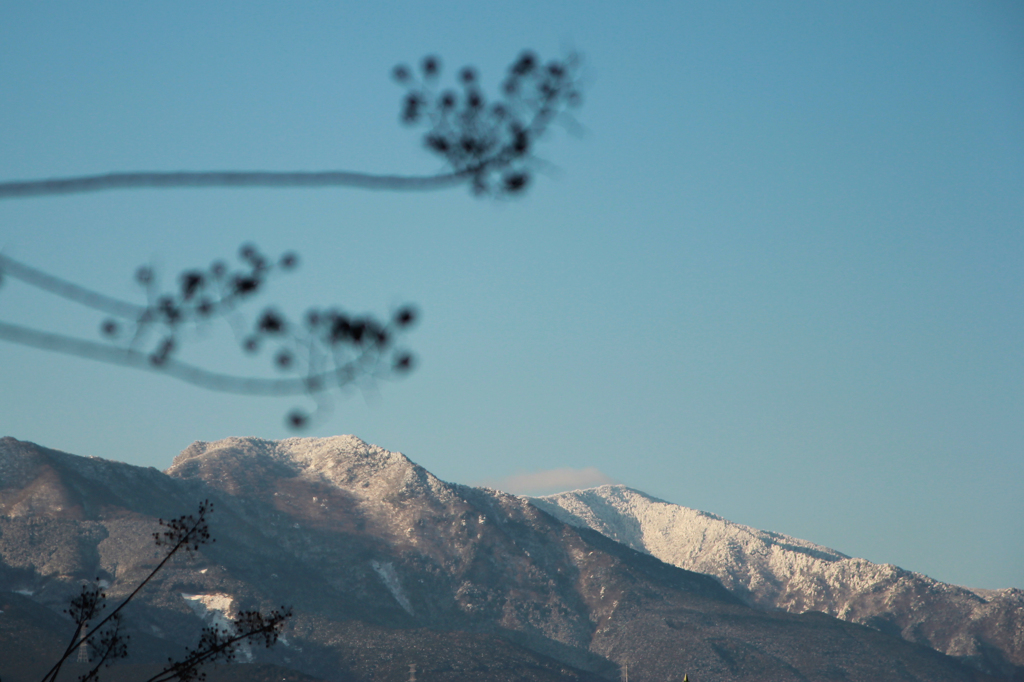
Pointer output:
550, 481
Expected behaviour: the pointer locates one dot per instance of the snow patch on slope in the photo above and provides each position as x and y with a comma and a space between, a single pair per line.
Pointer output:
217, 609
389, 577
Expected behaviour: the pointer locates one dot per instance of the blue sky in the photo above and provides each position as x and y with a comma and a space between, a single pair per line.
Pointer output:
778, 277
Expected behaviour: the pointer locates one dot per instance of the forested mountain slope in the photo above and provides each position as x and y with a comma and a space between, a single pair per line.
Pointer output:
387, 566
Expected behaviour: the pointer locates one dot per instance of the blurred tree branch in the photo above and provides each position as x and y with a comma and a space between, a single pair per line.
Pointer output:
487, 145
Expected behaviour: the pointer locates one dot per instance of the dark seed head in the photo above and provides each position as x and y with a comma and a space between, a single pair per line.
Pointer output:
411, 108
341, 329
521, 142
515, 182
525, 64
289, 261
191, 282
218, 269
271, 322
437, 143
431, 66
401, 73
405, 316
170, 311
245, 285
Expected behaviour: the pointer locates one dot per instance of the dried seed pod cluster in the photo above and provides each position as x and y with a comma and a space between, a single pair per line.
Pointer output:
106, 642
490, 142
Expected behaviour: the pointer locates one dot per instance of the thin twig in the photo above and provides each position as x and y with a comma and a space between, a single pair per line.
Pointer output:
203, 179
75, 641
186, 539
191, 374
199, 657
69, 290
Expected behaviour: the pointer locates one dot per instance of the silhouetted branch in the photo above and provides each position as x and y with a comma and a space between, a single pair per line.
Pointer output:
191, 374
488, 144
105, 647
485, 145
107, 643
223, 179
68, 290
329, 350
184, 533
82, 609
217, 643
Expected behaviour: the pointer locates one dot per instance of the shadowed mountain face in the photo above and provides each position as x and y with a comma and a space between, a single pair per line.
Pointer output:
386, 566
982, 627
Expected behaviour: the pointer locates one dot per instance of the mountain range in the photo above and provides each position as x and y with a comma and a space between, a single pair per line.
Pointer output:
388, 567
982, 627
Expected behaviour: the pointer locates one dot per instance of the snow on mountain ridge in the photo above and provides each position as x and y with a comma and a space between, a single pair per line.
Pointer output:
342, 461
302, 453
777, 571
753, 563
767, 568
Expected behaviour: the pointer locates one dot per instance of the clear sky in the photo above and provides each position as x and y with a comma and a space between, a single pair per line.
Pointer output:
778, 277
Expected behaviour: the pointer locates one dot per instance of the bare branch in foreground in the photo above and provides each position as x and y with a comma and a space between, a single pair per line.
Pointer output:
107, 642
225, 179
488, 145
328, 350
186, 532
222, 644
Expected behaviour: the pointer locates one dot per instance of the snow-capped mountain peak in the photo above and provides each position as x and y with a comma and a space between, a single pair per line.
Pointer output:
778, 571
